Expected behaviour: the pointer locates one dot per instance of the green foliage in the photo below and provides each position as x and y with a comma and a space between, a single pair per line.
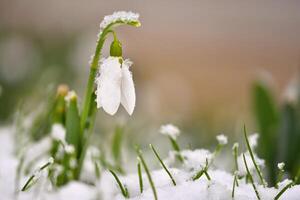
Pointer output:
117, 144
290, 137
279, 127
267, 118
73, 136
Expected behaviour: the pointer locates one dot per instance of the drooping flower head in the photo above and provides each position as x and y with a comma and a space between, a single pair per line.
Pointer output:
115, 85
114, 80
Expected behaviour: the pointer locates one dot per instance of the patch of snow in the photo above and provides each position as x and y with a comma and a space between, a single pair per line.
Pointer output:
170, 130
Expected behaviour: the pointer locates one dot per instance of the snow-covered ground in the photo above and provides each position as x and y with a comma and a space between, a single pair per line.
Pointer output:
106, 188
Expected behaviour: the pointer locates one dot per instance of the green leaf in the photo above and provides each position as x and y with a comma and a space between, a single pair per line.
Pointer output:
290, 137
73, 124
267, 118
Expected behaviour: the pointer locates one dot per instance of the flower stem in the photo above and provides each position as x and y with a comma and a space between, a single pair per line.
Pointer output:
163, 165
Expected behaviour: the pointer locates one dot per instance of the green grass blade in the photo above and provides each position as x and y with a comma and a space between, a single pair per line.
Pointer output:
163, 165
251, 178
253, 159
117, 144
267, 118
122, 188
73, 123
140, 155
140, 176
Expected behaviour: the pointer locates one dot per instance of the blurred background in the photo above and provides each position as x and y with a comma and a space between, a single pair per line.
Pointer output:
194, 61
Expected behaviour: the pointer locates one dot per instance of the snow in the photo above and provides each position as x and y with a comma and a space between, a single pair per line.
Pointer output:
106, 188
222, 139
242, 169
170, 130
58, 132
281, 166
118, 16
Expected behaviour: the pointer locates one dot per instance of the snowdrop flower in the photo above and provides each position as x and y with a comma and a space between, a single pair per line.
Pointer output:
170, 130
222, 139
115, 85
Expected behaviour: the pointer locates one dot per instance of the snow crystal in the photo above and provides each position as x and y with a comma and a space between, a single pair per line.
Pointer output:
69, 149
58, 132
118, 16
281, 166
251, 167
71, 95
222, 139
253, 140
170, 130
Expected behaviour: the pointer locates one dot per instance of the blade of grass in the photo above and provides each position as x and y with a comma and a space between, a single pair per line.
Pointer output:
140, 155
263, 182
116, 144
267, 118
33, 178
163, 165
251, 178
140, 176
122, 188
176, 147
73, 123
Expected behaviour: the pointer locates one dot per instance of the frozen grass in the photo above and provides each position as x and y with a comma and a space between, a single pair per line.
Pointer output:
219, 185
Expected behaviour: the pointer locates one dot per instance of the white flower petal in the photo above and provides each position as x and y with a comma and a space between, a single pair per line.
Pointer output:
127, 88
109, 85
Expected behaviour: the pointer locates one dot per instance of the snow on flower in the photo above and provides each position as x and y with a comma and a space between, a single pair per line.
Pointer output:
58, 132
71, 95
222, 139
281, 166
170, 130
115, 85
118, 16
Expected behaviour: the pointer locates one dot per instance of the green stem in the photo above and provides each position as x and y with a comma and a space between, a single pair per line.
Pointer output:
122, 188
163, 164
283, 190
140, 176
86, 142
140, 155
233, 185
176, 147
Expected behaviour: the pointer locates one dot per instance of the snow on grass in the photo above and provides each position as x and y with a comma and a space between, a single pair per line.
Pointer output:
106, 188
